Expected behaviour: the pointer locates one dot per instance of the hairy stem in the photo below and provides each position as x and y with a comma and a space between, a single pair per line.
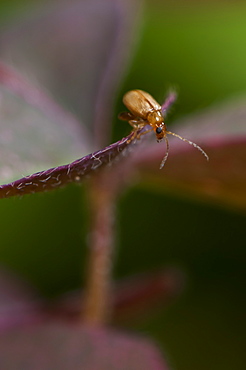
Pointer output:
98, 290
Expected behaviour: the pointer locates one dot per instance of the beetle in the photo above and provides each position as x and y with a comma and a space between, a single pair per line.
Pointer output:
144, 110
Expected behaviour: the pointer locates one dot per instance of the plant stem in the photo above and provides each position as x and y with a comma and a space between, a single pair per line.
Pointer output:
98, 291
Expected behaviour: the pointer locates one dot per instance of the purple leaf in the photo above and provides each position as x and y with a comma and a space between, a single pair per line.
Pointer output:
221, 132
224, 121
19, 86
19, 304
57, 177
59, 346
35, 133
77, 50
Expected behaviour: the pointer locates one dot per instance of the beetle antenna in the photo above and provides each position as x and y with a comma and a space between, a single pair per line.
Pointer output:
166, 155
189, 142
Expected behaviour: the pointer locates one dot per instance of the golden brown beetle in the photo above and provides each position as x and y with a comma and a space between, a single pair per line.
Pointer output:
144, 110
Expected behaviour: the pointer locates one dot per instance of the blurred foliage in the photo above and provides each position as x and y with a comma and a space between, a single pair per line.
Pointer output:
13, 9
198, 47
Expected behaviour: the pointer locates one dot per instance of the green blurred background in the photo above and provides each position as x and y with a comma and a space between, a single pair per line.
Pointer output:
200, 47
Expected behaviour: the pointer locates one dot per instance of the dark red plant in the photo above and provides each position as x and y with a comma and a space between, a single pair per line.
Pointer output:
56, 51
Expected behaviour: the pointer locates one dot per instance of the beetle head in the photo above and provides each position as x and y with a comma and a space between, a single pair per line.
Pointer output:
160, 132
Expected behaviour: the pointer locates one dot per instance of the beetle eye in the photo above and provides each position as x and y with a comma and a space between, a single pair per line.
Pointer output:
158, 130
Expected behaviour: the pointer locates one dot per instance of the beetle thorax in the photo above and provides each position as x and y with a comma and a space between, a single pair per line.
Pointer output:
155, 118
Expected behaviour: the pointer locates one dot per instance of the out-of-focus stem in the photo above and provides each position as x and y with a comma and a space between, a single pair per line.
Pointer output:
98, 305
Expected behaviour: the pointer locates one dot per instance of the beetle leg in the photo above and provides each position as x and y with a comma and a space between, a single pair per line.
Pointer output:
137, 125
143, 133
126, 116
136, 135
